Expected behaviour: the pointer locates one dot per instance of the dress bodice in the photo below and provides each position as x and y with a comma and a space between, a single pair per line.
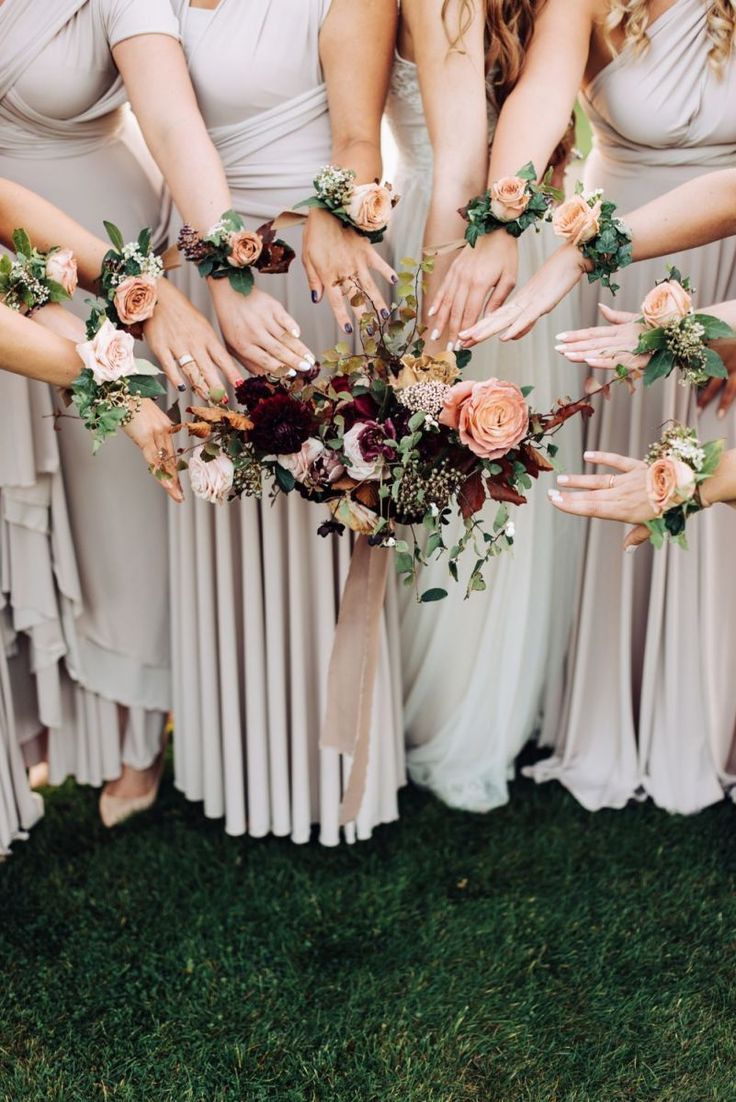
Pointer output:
667, 107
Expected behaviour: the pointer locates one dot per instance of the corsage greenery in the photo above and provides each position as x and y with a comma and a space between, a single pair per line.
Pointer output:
34, 278
678, 464
365, 208
230, 251
589, 222
513, 203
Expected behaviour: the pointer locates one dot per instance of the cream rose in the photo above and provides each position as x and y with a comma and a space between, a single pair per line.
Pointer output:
509, 198
576, 221
135, 299
491, 417
211, 479
109, 355
245, 248
370, 207
61, 267
666, 303
670, 482
313, 464
358, 518
357, 466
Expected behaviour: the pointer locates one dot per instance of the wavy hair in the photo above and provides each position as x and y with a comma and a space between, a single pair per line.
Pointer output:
632, 18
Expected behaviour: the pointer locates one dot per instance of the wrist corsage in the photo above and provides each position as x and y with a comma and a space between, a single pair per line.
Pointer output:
34, 278
513, 203
676, 337
129, 280
109, 390
365, 208
588, 221
678, 463
230, 251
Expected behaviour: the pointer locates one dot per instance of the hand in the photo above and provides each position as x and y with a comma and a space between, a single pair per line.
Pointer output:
178, 329
261, 335
547, 287
337, 258
150, 430
606, 346
490, 268
621, 496
722, 389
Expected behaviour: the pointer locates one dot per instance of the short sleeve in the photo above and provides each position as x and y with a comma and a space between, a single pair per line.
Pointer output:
127, 18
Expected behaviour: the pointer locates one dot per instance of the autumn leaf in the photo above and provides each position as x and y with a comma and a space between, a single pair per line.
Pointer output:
501, 491
472, 495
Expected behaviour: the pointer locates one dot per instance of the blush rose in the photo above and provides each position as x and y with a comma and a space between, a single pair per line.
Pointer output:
666, 303
509, 198
61, 267
135, 299
245, 248
109, 355
491, 417
670, 482
576, 221
370, 207
211, 480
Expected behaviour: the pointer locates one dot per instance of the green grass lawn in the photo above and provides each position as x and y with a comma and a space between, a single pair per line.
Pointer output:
538, 953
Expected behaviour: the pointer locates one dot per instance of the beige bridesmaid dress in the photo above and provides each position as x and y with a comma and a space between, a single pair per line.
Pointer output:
255, 590
651, 698
19, 807
83, 546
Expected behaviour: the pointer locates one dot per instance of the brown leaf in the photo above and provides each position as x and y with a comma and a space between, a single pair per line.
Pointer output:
564, 411
534, 461
471, 495
208, 413
367, 494
344, 484
501, 491
238, 420
197, 428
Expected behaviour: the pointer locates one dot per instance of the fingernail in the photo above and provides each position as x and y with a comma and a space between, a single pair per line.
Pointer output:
554, 496
315, 296
311, 357
304, 365
225, 400
394, 278
559, 348
561, 337
385, 314
291, 373
369, 330
450, 346
721, 414
295, 332
432, 311
348, 327
182, 387
239, 382
631, 548
563, 479
434, 334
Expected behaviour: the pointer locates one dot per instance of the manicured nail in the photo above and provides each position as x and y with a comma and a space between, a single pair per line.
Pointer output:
348, 327
311, 357
721, 414
305, 365
561, 336
182, 387
295, 332
385, 314
589, 456
315, 296
450, 346
291, 373
554, 496
563, 479
394, 278
631, 548
434, 334
369, 330
225, 400
432, 311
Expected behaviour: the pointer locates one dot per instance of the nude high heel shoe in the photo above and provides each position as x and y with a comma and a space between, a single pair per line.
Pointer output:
114, 810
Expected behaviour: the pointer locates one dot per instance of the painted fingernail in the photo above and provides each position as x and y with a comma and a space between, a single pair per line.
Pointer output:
554, 496
432, 311
369, 330
721, 414
305, 365
311, 357
434, 334
296, 331
631, 548
348, 327
385, 314
563, 479
561, 336
394, 278
182, 387
315, 296
291, 373
450, 346
225, 400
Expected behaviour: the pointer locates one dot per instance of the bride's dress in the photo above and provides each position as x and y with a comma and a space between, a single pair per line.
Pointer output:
479, 673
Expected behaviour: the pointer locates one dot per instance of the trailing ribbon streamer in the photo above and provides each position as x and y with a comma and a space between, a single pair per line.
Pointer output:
355, 651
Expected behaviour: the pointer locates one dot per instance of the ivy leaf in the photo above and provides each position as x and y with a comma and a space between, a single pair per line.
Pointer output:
714, 366
430, 595
285, 478
241, 280
659, 367
145, 386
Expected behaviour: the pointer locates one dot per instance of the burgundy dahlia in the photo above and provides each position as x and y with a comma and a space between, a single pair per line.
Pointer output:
377, 441
252, 390
280, 424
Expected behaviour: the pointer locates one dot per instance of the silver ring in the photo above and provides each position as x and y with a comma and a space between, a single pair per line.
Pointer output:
185, 359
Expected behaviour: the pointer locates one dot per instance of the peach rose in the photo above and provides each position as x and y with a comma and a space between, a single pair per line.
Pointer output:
358, 518
670, 482
370, 207
211, 479
576, 221
509, 198
491, 417
135, 299
109, 355
665, 303
245, 248
61, 266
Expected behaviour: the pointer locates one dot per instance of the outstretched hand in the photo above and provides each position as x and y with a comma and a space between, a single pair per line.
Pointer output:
606, 346
621, 496
490, 268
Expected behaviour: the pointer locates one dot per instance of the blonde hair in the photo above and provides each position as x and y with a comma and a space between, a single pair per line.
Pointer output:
632, 17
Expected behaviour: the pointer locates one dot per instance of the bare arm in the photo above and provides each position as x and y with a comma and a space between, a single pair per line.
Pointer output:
696, 213
36, 352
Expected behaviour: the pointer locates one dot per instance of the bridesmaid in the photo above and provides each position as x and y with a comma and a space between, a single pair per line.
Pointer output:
63, 124
659, 84
470, 708
285, 89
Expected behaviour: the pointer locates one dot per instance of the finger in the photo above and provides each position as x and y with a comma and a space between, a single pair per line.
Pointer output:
602, 344
524, 324
208, 370
637, 536
440, 313
285, 320
582, 505
300, 356
585, 481
165, 446
378, 264
457, 313
370, 287
491, 325
156, 454
574, 336
224, 363
196, 380
260, 362
727, 398
336, 300
501, 292
613, 459
616, 317
709, 393
276, 346
473, 308
170, 368
316, 287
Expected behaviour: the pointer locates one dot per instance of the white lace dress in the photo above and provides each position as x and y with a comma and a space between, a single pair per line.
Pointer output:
478, 673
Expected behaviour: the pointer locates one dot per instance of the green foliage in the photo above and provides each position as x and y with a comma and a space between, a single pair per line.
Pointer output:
481, 220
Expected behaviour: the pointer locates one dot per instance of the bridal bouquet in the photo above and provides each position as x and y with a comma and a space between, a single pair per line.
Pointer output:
393, 441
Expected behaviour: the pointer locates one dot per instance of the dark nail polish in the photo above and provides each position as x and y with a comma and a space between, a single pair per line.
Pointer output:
394, 279
182, 387
384, 313
369, 330
348, 327
315, 296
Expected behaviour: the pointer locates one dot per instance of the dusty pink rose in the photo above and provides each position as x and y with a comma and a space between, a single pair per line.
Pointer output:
666, 303
509, 198
358, 518
670, 482
576, 221
245, 248
211, 479
491, 417
109, 355
135, 299
314, 464
358, 467
370, 207
61, 266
